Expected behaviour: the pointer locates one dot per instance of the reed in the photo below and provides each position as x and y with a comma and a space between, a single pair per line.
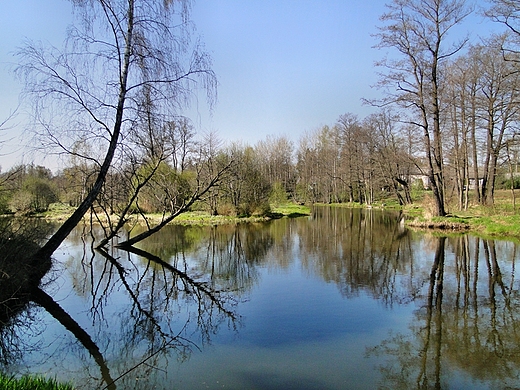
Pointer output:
27, 382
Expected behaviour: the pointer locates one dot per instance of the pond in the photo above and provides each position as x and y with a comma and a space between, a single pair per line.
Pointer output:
342, 299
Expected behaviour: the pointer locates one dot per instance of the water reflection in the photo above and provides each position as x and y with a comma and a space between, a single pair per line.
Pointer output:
134, 317
143, 309
359, 250
41, 298
467, 324
19, 240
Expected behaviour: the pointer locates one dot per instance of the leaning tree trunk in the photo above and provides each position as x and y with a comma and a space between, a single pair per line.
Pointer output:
55, 241
197, 195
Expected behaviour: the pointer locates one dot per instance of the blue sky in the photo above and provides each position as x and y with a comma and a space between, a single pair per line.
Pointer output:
285, 67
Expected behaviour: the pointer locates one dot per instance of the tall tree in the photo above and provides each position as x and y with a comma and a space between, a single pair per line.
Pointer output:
118, 52
418, 30
389, 154
275, 156
499, 110
464, 87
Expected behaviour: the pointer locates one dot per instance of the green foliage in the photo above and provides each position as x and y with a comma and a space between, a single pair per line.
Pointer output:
246, 188
506, 184
21, 201
278, 195
42, 193
166, 189
74, 183
5, 199
30, 190
304, 193
417, 190
32, 383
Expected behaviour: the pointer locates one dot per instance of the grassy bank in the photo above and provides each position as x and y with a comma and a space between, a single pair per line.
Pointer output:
499, 220
59, 212
32, 383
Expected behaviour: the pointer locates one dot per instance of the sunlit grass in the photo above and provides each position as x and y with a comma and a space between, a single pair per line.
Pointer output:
32, 383
204, 218
60, 211
501, 219
291, 209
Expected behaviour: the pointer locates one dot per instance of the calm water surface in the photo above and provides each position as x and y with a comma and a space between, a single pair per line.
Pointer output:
344, 299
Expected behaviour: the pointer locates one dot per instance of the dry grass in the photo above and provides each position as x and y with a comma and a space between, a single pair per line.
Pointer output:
500, 219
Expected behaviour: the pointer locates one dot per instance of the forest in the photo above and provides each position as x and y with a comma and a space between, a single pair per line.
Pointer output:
110, 105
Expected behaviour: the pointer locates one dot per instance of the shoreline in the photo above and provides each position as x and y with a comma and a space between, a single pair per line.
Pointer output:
495, 222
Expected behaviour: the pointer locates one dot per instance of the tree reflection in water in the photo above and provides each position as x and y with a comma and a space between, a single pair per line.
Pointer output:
20, 238
170, 309
468, 322
360, 251
174, 294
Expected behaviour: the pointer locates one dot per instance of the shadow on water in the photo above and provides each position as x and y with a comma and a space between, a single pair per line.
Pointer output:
19, 275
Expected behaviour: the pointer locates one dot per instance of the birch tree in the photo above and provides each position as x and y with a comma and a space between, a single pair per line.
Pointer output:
117, 52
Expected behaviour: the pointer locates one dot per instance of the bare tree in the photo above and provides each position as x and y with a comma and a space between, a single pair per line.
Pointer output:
418, 30
120, 51
275, 156
507, 12
463, 88
389, 154
318, 167
498, 106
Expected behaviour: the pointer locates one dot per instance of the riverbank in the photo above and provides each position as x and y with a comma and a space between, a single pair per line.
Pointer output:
59, 212
502, 219
499, 220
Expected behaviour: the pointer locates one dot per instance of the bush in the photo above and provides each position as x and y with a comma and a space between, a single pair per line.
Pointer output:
226, 209
506, 184
21, 202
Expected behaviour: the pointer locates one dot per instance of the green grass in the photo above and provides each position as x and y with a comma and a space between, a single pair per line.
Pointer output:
60, 212
291, 210
32, 383
497, 220
203, 218
496, 225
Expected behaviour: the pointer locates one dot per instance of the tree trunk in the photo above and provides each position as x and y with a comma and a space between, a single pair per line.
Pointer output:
55, 241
